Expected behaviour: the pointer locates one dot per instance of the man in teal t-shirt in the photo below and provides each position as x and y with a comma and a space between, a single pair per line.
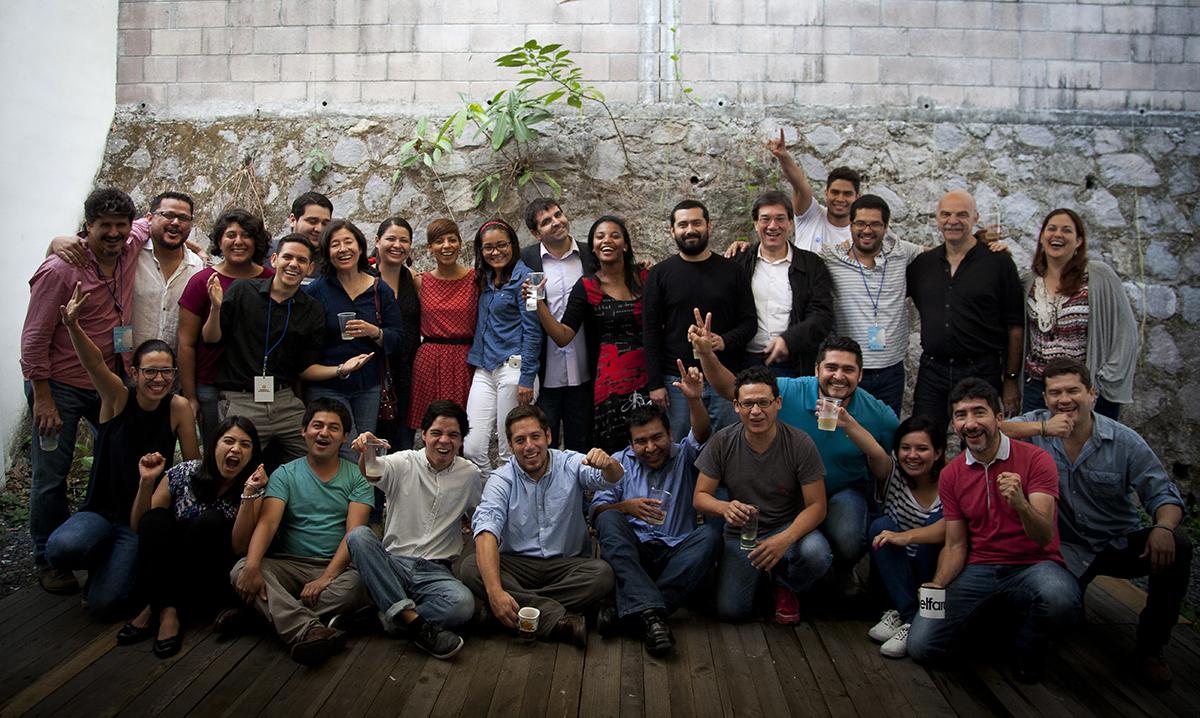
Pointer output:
311, 504
847, 478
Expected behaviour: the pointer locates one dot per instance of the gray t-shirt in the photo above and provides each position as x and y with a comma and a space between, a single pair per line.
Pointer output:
772, 480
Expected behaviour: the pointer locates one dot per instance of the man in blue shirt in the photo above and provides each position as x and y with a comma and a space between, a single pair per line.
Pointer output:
1101, 463
847, 475
531, 539
642, 536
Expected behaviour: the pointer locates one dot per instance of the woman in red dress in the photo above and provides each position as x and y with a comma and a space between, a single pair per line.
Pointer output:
448, 307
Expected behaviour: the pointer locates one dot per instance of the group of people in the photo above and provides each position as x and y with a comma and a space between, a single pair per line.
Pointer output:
729, 425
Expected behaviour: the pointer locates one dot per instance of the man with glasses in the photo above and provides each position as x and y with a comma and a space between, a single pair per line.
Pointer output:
869, 284
775, 481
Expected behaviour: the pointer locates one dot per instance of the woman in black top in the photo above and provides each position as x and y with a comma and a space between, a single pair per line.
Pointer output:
134, 421
393, 257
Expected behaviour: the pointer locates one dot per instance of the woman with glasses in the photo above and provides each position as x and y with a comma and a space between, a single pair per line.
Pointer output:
508, 341
134, 421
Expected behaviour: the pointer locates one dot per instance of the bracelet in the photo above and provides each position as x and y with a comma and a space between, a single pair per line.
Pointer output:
1043, 427
1163, 527
256, 495
337, 371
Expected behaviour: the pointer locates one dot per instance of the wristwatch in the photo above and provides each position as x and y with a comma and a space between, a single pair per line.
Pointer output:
1011, 375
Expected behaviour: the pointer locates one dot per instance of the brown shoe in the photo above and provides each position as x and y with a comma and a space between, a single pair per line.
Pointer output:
1155, 671
571, 628
317, 645
60, 583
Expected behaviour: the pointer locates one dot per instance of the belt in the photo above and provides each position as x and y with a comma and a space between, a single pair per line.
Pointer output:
449, 340
974, 359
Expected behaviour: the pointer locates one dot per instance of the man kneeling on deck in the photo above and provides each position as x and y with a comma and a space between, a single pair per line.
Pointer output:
776, 484
998, 499
310, 506
1101, 463
408, 572
647, 524
531, 539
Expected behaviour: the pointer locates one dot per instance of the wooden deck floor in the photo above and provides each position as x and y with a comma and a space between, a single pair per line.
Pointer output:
54, 661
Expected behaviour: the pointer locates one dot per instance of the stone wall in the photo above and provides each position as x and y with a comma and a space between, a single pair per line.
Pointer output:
236, 56
1134, 180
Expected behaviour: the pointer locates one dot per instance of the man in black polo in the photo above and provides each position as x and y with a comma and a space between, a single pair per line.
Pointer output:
694, 279
972, 312
271, 333
566, 377
793, 293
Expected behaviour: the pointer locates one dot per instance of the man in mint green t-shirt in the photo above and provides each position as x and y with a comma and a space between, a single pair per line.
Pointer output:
311, 504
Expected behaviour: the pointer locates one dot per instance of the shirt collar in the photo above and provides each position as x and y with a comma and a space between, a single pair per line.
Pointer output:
785, 260
1002, 453
546, 252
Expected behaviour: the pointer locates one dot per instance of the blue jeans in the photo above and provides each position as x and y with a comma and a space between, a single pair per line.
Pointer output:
720, 410
900, 573
1045, 593
401, 583
805, 562
677, 569
573, 406
48, 491
845, 527
364, 411
107, 551
885, 384
1033, 399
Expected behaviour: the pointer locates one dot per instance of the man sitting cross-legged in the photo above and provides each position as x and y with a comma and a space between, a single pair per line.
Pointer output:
408, 572
311, 504
655, 548
773, 471
531, 539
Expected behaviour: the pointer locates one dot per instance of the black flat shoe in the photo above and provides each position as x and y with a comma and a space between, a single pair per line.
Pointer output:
131, 634
167, 647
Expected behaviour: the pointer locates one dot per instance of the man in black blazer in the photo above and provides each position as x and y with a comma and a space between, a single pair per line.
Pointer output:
564, 372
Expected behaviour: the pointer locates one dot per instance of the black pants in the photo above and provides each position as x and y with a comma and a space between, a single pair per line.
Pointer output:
1167, 587
938, 376
573, 407
185, 564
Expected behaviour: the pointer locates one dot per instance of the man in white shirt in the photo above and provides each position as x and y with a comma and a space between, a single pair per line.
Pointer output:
165, 264
566, 379
408, 573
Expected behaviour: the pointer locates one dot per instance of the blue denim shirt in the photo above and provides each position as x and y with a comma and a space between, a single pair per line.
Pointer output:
677, 475
542, 518
1095, 509
335, 350
503, 328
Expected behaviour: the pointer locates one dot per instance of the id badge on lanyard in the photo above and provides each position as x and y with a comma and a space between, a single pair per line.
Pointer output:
122, 339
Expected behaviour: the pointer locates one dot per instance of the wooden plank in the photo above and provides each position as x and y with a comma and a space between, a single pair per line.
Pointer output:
395, 691
867, 690
1092, 653
310, 686
28, 662
369, 669
1126, 594
1021, 699
706, 693
764, 681
632, 688
425, 692
1074, 668
656, 684
514, 671
454, 690
537, 686
566, 683
478, 696
966, 694
833, 690
601, 694
196, 691
253, 682
53, 681
34, 610
679, 676
156, 696
922, 693
796, 680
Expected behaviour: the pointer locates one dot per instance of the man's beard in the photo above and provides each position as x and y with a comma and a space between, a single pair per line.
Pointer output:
694, 248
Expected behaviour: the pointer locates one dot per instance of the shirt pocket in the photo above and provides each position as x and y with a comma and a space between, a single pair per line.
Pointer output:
1107, 485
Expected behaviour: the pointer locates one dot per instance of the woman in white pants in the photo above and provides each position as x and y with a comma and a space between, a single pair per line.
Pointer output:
507, 342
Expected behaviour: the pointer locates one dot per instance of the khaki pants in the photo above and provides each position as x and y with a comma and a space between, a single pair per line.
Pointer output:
280, 420
551, 585
284, 577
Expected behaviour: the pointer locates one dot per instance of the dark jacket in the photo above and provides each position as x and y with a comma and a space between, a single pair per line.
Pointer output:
812, 304
531, 255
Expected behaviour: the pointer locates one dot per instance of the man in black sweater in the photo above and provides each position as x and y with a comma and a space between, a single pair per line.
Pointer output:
693, 280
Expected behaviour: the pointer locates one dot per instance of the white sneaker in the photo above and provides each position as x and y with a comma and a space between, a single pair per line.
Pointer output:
886, 628
897, 645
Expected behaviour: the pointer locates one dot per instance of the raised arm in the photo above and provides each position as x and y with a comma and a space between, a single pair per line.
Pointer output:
802, 194
249, 510
110, 387
1037, 512
691, 385
150, 468
719, 378
879, 461
212, 330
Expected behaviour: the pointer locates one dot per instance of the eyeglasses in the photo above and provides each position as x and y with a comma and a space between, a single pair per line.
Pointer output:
876, 226
494, 248
155, 372
760, 403
172, 216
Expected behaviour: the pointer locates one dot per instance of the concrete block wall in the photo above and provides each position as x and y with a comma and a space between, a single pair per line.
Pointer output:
235, 56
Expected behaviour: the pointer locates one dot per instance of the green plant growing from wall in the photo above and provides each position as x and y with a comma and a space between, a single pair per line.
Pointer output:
511, 121
317, 161
677, 68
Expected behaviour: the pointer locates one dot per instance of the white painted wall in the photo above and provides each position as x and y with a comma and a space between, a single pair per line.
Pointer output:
58, 68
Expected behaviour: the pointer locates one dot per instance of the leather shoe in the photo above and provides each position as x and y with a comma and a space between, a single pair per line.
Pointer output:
607, 623
657, 636
571, 628
167, 647
60, 583
131, 634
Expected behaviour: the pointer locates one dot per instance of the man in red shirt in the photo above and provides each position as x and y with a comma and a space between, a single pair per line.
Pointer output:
998, 498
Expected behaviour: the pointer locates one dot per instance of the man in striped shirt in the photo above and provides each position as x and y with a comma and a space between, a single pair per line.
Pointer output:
869, 290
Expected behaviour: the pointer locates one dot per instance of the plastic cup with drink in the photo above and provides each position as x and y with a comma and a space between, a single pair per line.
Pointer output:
662, 496
827, 413
535, 291
343, 318
749, 536
373, 452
